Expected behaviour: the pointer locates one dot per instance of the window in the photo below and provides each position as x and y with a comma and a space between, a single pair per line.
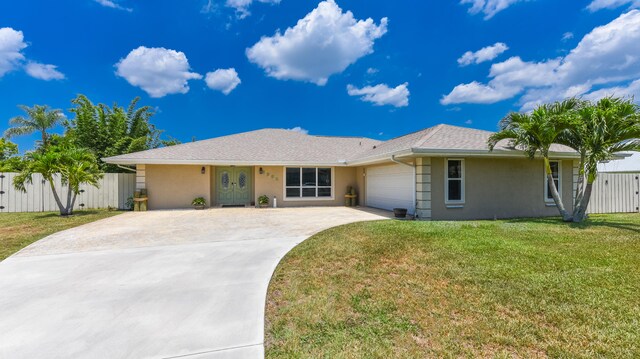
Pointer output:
454, 181
556, 173
308, 183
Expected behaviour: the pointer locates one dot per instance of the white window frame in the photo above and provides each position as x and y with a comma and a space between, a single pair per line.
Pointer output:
546, 182
300, 199
461, 179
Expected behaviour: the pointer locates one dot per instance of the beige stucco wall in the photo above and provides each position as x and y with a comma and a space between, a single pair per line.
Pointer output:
175, 186
498, 188
361, 187
212, 186
271, 183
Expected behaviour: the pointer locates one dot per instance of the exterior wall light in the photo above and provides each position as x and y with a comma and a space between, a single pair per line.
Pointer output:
203, 170
261, 171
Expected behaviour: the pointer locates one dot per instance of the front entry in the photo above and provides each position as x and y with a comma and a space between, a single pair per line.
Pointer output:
233, 185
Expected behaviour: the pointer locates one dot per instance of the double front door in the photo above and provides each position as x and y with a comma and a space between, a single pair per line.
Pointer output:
233, 185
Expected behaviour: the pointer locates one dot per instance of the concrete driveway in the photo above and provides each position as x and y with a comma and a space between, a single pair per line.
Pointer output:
158, 284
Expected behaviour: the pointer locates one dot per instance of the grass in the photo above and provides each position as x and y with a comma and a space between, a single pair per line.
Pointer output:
519, 288
18, 230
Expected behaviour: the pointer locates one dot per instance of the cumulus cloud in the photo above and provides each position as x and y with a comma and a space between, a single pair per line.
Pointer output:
567, 36
224, 80
484, 54
382, 94
242, 6
596, 5
43, 71
299, 130
325, 42
476, 92
113, 5
604, 58
630, 90
11, 46
158, 71
11, 57
488, 7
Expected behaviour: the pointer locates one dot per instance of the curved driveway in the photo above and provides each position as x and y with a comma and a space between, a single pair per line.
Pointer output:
157, 284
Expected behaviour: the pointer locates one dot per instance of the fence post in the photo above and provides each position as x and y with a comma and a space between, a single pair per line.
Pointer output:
3, 194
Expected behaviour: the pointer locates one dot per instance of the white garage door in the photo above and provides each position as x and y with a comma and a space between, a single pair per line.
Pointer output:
390, 187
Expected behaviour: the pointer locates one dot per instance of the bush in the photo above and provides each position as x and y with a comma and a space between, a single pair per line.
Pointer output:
263, 200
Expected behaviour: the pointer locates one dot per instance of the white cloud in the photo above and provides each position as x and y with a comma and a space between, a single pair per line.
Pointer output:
596, 5
372, 71
11, 57
158, 71
224, 80
488, 7
567, 36
209, 7
631, 90
113, 5
605, 57
325, 42
43, 71
484, 54
299, 130
242, 6
468, 122
509, 78
476, 92
11, 46
382, 94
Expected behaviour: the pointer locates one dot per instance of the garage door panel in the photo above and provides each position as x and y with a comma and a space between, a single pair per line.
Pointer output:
390, 187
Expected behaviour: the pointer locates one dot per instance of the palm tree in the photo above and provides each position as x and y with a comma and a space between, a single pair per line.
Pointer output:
74, 166
39, 118
535, 132
610, 126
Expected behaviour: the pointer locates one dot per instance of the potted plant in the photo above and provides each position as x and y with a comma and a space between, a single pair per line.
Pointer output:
199, 203
400, 212
263, 201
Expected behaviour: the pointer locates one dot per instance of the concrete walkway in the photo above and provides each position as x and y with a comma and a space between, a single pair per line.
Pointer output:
159, 284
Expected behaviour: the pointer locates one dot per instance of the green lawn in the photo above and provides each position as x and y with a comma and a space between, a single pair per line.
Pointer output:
18, 230
519, 288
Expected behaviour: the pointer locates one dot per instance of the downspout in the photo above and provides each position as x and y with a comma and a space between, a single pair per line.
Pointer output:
126, 168
415, 200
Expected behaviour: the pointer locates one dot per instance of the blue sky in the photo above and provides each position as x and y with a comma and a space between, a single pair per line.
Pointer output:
337, 73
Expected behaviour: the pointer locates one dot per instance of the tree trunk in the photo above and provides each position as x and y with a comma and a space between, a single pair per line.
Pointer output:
581, 213
56, 197
579, 186
554, 192
73, 202
69, 209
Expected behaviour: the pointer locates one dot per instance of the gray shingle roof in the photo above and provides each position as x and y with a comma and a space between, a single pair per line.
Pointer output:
278, 146
445, 138
255, 147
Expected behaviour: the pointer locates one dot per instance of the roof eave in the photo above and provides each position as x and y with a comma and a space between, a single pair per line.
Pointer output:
453, 152
487, 153
152, 161
379, 158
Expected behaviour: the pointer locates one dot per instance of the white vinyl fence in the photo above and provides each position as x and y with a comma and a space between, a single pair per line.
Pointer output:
113, 191
615, 193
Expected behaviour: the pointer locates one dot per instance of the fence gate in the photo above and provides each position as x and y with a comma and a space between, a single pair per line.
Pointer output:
615, 193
